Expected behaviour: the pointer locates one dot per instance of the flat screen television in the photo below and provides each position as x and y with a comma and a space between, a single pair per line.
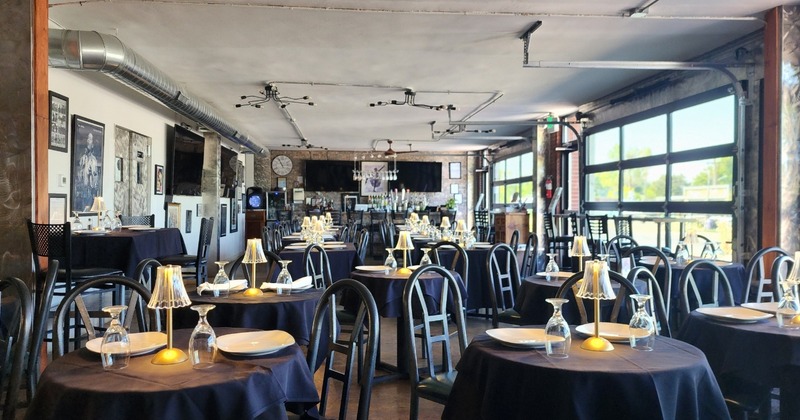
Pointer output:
184, 171
418, 176
228, 177
330, 175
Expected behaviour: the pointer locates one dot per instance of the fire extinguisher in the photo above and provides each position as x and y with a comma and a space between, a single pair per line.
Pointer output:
548, 187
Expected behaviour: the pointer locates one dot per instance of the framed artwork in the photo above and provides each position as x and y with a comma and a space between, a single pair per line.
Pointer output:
349, 202
159, 177
372, 183
223, 219
87, 162
174, 215
234, 215
282, 182
57, 210
188, 222
59, 121
455, 170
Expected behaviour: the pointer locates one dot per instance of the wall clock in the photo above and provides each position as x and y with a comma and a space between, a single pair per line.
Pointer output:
281, 165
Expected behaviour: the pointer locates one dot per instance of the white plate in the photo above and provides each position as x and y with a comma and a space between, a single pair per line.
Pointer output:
441, 247
483, 243
519, 337
334, 243
768, 307
414, 267
295, 246
89, 232
734, 314
334, 246
482, 246
371, 268
611, 331
143, 229
141, 343
136, 226
560, 274
254, 343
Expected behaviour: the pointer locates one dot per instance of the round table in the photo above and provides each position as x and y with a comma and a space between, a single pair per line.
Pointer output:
342, 260
76, 386
760, 351
673, 381
293, 313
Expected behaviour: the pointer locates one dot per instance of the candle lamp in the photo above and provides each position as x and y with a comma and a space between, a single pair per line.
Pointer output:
98, 205
253, 255
169, 293
404, 243
596, 285
580, 249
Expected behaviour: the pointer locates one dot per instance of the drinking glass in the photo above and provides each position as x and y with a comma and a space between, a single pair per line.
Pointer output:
76, 221
557, 335
390, 262
203, 342
642, 327
788, 312
426, 259
115, 349
116, 224
222, 284
284, 279
108, 224
551, 268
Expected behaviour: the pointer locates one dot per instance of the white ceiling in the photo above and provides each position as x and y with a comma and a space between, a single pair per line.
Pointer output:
347, 54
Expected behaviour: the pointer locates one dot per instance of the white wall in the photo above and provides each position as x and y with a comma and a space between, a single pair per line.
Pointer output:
96, 100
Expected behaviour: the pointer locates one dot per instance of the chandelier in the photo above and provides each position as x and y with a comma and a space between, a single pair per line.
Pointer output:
383, 175
270, 93
410, 100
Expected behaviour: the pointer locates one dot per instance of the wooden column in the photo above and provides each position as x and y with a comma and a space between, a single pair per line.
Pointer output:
769, 183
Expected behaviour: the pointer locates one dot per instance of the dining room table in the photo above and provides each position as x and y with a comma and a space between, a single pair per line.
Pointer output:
342, 256
498, 380
264, 386
124, 249
757, 350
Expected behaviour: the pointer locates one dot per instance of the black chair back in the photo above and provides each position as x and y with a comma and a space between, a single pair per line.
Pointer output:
361, 244
625, 290
459, 264
504, 281
144, 220
781, 268
662, 262
15, 340
530, 256
319, 270
40, 321
598, 233
513, 242
656, 303
691, 294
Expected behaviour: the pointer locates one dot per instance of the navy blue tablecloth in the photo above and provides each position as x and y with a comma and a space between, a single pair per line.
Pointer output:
477, 277
126, 248
673, 381
342, 261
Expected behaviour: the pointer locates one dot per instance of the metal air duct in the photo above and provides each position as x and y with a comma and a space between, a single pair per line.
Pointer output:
90, 50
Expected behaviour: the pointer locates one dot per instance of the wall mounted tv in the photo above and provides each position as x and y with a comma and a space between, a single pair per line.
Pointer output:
184, 172
418, 176
330, 175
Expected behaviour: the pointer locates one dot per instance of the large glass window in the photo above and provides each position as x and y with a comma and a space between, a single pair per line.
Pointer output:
708, 124
513, 175
645, 138
602, 147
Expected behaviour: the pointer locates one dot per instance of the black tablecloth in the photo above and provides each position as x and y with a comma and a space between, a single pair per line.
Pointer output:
125, 249
760, 352
673, 381
734, 272
478, 277
343, 261
531, 305
76, 387
293, 314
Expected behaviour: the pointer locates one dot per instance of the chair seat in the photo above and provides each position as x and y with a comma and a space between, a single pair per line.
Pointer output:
79, 274
510, 316
183, 260
437, 388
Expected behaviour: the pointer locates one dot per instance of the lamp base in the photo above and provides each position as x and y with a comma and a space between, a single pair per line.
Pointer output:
169, 356
596, 344
253, 291
405, 271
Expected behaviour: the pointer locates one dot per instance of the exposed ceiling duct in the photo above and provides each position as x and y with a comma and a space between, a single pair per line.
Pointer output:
90, 50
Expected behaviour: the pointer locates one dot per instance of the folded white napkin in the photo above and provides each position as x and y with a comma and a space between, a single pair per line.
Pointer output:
234, 285
301, 283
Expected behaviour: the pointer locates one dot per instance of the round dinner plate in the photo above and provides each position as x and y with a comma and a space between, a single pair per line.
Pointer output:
611, 331
334, 246
136, 226
559, 274
768, 307
735, 314
141, 343
90, 232
142, 229
254, 343
527, 338
371, 268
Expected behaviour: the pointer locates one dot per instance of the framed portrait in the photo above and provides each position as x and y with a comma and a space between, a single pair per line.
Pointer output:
87, 162
174, 215
282, 182
57, 208
349, 202
455, 170
372, 183
188, 222
223, 219
159, 180
59, 121
234, 215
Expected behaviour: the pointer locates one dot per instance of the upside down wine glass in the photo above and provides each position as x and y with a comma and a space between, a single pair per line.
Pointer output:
115, 349
284, 279
788, 313
203, 342
222, 284
551, 268
390, 262
426, 258
557, 334
642, 328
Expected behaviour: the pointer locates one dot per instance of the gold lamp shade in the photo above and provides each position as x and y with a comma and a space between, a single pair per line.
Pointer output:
461, 226
414, 216
425, 219
98, 205
253, 254
596, 285
404, 243
169, 293
445, 222
306, 222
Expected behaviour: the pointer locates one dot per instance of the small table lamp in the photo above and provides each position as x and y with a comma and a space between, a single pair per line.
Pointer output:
99, 206
580, 249
461, 230
596, 286
404, 243
253, 255
169, 293
445, 222
306, 222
